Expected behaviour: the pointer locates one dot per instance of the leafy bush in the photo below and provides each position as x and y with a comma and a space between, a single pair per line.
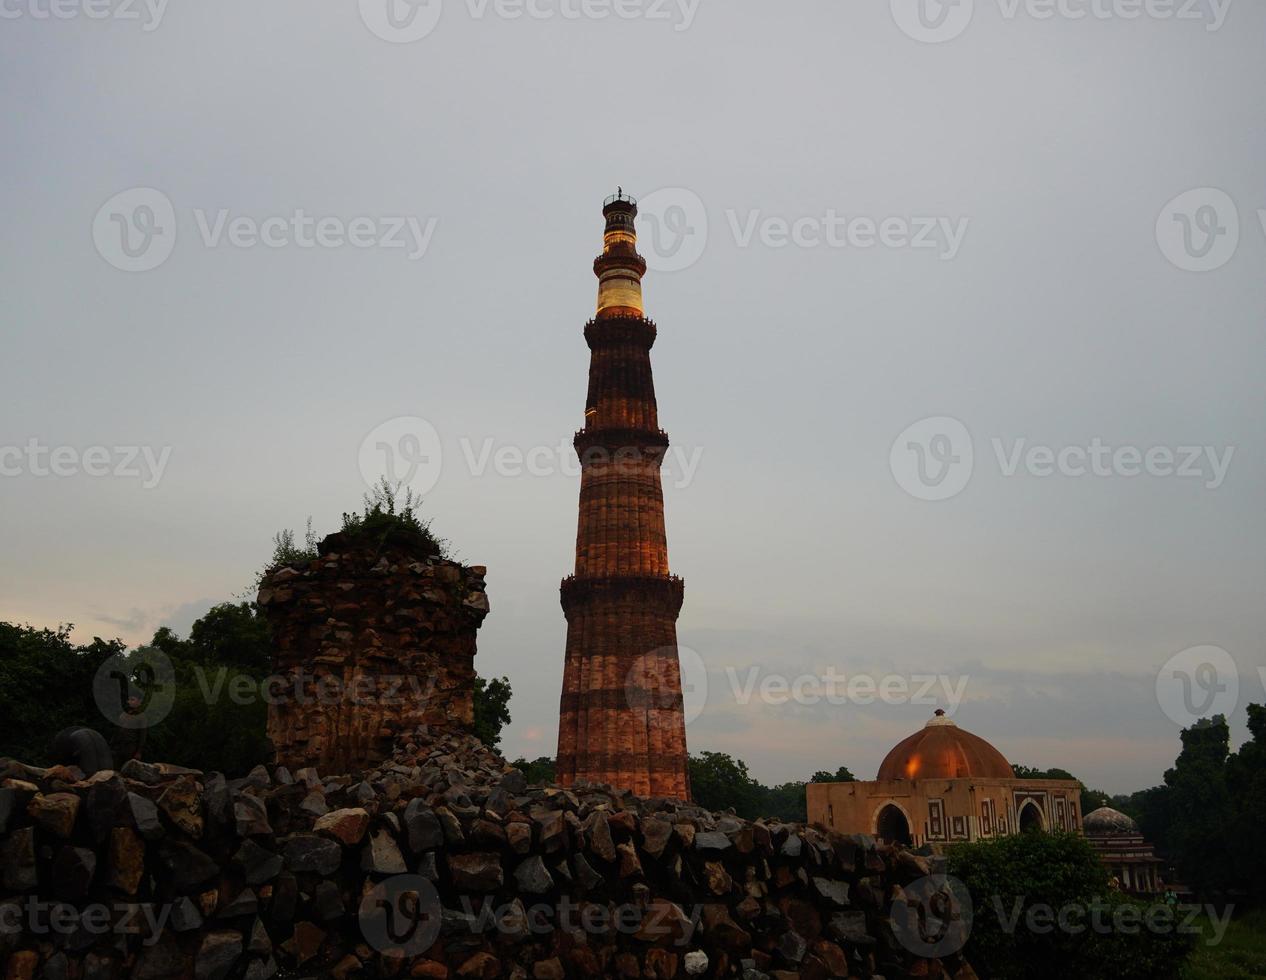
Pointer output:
211, 733
720, 782
540, 770
1043, 909
45, 686
389, 519
492, 709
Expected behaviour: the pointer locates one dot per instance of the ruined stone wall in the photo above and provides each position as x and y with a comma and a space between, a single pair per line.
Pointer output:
440, 862
369, 643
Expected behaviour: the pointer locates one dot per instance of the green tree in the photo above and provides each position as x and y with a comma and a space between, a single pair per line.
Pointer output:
841, 775
718, 782
538, 770
1199, 808
45, 686
218, 720
1246, 785
1019, 875
492, 709
786, 801
1093, 799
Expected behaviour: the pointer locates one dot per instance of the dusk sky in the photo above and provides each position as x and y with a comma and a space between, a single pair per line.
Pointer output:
244, 244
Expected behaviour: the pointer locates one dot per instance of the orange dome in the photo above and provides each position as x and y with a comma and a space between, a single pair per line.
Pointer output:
942, 750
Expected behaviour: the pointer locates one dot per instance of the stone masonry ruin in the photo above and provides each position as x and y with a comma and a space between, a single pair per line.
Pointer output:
370, 642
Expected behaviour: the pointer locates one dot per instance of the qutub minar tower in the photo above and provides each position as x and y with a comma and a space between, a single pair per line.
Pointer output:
621, 719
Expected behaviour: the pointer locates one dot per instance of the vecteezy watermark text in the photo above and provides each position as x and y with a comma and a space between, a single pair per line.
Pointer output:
149, 11
303, 688
406, 21
35, 458
408, 449
834, 688
136, 230
1103, 917
937, 21
38, 917
674, 230
934, 459
834, 230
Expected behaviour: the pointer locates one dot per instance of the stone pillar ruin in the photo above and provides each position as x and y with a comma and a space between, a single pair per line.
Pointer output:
369, 642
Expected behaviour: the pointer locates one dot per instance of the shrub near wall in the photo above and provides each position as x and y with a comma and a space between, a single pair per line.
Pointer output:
1014, 880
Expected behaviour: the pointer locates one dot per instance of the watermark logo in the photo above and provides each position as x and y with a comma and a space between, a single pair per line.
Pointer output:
135, 690
149, 11
1199, 230
135, 230
144, 463
1196, 683
650, 683
84, 923
933, 458
674, 229
1104, 918
405, 21
937, 21
838, 689
303, 688
401, 21
933, 21
401, 915
834, 230
407, 449
932, 916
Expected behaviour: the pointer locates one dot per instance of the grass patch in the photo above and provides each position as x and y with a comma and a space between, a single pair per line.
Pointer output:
1240, 956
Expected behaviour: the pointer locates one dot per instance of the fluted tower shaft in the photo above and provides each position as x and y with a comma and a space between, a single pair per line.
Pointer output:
621, 719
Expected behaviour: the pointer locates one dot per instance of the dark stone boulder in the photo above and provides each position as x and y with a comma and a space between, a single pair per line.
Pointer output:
186, 866
217, 955
307, 853
73, 870
258, 864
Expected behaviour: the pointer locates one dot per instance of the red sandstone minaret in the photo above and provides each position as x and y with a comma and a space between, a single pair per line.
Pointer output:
621, 719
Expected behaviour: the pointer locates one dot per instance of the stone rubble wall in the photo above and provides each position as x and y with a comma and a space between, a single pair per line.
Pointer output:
156, 872
367, 647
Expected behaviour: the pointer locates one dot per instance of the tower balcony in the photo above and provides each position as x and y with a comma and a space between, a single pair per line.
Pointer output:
664, 593
620, 445
610, 331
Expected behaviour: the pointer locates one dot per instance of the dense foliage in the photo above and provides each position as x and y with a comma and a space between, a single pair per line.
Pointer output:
218, 716
492, 709
1206, 816
1042, 908
390, 519
540, 770
45, 686
720, 782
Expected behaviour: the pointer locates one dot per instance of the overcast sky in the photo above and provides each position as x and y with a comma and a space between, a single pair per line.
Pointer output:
1040, 232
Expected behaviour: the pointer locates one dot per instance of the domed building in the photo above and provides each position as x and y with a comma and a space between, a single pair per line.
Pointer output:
944, 784
1123, 850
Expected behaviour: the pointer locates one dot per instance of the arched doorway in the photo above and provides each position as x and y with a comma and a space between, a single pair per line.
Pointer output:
891, 825
1030, 818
